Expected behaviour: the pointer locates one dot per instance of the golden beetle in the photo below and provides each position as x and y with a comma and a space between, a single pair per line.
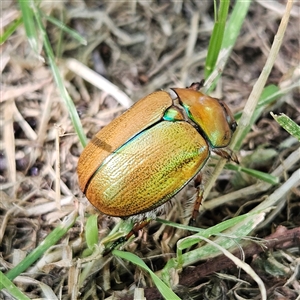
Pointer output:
148, 154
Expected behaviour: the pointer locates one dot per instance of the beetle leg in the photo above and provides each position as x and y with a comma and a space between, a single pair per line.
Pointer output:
136, 228
134, 231
200, 191
227, 154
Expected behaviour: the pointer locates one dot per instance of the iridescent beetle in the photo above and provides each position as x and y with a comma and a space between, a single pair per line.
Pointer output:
144, 157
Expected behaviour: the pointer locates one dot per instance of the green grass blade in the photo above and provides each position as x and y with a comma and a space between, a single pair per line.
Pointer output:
91, 231
235, 23
11, 288
216, 229
231, 33
257, 174
59, 81
10, 30
49, 241
74, 34
288, 124
29, 24
166, 292
242, 225
216, 38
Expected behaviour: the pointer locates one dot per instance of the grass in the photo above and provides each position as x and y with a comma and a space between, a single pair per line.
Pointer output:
84, 258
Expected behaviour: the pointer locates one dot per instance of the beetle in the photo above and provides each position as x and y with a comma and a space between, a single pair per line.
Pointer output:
144, 157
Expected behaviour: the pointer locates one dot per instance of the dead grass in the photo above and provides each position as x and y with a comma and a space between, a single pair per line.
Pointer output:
141, 47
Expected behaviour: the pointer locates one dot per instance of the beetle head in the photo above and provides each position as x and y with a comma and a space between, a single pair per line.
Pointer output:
212, 116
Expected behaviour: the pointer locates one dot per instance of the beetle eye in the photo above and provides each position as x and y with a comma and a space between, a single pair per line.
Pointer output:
233, 126
229, 117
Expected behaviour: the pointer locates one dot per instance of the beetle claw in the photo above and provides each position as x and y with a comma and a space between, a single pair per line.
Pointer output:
227, 154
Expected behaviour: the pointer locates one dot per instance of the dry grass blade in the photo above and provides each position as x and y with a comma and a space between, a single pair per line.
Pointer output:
99, 81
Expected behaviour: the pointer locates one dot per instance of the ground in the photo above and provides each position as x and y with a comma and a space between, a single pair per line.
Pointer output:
141, 47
